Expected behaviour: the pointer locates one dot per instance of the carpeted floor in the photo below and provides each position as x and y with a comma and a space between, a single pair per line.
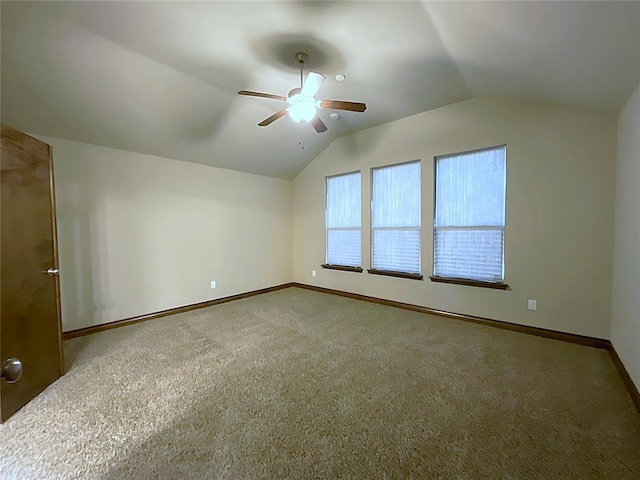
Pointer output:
299, 384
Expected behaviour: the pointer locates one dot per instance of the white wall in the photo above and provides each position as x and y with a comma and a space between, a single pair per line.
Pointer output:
560, 182
625, 323
139, 234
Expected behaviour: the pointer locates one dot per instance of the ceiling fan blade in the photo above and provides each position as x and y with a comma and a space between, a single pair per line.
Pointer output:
312, 84
318, 124
273, 118
249, 93
342, 105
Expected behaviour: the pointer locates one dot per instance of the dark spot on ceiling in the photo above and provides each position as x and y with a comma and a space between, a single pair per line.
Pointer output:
280, 51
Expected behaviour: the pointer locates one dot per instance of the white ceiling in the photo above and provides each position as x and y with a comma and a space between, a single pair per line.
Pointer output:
161, 77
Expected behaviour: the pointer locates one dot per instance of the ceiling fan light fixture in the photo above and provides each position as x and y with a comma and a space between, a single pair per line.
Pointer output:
302, 100
302, 112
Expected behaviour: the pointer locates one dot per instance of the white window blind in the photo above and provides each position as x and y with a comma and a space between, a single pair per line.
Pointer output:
395, 218
343, 220
470, 215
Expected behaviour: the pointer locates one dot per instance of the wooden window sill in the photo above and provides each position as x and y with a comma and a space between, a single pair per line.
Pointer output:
390, 273
471, 283
342, 267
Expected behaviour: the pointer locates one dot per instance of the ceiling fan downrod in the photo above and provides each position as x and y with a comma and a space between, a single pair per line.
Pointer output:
302, 57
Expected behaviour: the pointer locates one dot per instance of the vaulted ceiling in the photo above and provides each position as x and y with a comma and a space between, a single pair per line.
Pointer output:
161, 77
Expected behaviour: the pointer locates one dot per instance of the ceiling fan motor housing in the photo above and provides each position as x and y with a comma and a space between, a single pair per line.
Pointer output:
294, 91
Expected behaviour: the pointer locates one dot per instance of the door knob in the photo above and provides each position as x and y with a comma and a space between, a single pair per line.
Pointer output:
11, 370
52, 271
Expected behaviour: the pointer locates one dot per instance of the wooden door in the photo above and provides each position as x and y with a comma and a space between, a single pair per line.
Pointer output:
30, 328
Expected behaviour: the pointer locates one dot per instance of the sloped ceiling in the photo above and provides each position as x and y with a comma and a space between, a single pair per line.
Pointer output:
161, 77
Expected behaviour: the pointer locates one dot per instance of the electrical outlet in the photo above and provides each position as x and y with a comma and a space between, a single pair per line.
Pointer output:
313, 273
213, 284
533, 304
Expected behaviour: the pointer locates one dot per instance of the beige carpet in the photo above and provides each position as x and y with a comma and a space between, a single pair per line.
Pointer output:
299, 384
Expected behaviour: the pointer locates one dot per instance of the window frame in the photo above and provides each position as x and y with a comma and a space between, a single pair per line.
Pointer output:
335, 266
499, 285
393, 273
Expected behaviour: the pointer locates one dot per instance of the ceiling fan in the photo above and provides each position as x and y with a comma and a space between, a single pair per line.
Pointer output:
303, 106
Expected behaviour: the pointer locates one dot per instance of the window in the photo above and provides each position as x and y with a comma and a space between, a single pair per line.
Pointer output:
343, 220
395, 220
469, 216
